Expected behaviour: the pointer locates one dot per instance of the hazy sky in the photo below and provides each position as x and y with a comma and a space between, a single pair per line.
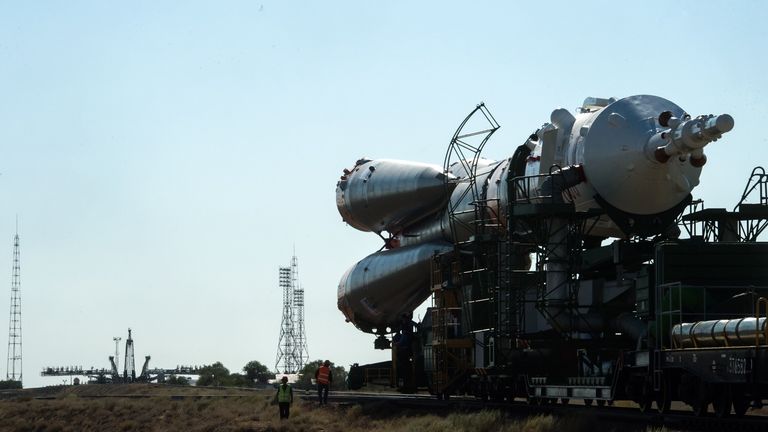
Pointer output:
164, 158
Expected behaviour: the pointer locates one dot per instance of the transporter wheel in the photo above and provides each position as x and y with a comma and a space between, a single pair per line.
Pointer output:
646, 398
740, 400
721, 400
664, 396
698, 396
700, 408
740, 406
645, 405
700, 404
564, 401
587, 402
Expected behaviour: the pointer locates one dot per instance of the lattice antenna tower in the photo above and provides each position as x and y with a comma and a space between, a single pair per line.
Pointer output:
285, 360
13, 371
301, 354
129, 364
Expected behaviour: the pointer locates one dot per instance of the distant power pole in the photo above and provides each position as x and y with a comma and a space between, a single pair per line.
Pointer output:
292, 346
13, 371
117, 340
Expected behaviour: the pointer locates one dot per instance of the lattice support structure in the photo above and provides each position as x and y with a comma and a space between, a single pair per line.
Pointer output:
285, 345
292, 354
14, 365
301, 354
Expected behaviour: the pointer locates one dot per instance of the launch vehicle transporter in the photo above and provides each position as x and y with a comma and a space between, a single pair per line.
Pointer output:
561, 273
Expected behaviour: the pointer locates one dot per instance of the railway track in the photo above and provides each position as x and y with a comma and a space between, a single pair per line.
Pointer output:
146, 396
593, 418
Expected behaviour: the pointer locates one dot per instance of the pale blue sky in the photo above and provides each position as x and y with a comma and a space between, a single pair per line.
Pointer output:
165, 157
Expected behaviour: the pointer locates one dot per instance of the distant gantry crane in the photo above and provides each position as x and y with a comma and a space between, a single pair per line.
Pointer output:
292, 352
13, 371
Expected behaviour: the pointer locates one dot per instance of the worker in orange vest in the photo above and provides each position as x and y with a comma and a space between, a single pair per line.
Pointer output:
324, 378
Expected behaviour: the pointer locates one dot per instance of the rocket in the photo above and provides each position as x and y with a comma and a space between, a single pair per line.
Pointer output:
635, 159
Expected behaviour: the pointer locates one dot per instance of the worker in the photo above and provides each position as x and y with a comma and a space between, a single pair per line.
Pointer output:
324, 378
284, 397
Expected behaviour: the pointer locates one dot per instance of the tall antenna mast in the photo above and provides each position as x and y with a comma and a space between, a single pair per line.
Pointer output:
301, 354
285, 345
13, 371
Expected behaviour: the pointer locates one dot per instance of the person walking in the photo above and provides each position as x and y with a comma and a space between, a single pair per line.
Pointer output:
284, 397
324, 378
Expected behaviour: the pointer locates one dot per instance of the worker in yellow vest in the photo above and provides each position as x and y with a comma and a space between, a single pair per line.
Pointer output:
284, 397
324, 378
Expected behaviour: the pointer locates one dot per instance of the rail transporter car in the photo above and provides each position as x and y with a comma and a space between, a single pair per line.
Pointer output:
561, 273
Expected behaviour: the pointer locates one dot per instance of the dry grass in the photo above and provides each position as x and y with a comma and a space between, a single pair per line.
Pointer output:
189, 410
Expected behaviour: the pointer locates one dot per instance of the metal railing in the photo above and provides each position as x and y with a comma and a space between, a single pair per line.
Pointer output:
527, 189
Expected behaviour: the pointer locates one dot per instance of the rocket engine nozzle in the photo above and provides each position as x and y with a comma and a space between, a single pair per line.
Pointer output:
688, 136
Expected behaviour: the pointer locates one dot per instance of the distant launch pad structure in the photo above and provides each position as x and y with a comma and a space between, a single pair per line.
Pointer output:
129, 372
292, 353
113, 375
13, 370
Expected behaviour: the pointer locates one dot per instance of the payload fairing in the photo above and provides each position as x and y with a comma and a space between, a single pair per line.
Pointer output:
635, 159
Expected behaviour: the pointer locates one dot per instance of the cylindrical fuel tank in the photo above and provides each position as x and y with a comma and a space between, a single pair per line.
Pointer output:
718, 333
383, 194
374, 293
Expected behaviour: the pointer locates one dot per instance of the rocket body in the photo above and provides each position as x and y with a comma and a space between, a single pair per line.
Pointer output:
637, 158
